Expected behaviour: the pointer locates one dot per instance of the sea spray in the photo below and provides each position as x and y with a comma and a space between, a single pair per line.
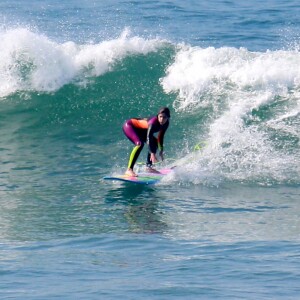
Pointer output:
252, 132
32, 62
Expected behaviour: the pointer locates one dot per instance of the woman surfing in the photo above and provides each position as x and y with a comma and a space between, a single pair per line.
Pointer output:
140, 131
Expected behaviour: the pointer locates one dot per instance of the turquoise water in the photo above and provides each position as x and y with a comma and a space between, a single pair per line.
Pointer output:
224, 225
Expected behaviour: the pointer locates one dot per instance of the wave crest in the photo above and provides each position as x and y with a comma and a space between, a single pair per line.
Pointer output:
31, 61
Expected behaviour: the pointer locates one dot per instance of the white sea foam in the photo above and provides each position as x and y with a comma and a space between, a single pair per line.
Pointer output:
197, 70
31, 61
234, 83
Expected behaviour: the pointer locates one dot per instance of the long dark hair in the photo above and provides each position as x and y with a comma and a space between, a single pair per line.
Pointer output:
164, 110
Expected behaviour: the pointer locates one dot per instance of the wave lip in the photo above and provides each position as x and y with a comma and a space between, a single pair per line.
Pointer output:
31, 61
196, 71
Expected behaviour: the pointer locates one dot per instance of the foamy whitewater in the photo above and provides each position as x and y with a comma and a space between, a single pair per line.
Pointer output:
224, 224
31, 61
235, 84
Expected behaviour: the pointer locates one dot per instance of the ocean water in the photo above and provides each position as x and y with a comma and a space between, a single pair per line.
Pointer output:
225, 224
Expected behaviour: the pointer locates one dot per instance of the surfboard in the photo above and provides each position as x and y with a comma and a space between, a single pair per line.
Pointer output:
142, 178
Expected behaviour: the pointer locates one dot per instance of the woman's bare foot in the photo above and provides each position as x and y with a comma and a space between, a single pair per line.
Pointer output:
152, 170
130, 173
